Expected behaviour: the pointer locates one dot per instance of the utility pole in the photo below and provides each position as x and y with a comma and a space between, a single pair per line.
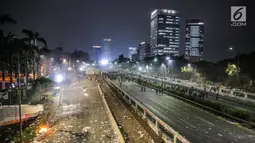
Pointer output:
20, 116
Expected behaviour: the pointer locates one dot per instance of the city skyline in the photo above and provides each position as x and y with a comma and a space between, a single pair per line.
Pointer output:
130, 26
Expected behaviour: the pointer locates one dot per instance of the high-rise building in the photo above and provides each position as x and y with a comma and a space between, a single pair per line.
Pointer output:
144, 50
97, 51
194, 40
106, 51
131, 51
165, 32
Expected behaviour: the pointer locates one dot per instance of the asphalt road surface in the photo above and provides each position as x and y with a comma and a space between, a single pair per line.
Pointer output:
80, 110
196, 125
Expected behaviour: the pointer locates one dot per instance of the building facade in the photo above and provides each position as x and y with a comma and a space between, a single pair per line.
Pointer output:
194, 40
106, 50
97, 52
165, 32
143, 50
131, 51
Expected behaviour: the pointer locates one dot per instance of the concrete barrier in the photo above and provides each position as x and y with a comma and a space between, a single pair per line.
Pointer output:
10, 114
168, 134
113, 121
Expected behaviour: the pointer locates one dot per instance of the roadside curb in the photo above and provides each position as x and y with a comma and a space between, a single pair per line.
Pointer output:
110, 115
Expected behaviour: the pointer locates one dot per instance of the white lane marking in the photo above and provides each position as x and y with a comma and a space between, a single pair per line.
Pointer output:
205, 121
187, 123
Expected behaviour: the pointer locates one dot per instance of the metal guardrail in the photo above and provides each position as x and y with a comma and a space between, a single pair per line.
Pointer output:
10, 114
176, 136
222, 91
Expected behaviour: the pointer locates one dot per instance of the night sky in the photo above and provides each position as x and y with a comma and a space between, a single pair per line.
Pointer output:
80, 24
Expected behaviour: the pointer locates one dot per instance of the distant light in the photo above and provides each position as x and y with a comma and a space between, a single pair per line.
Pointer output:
81, 69
59, 78
64, 60
143, 43
69, 68
140, 68
107, 40
189, 65
104, 62
86, 94
154, 12
77, 61
93, 64
155, 60
96, 47
56, 87
230, 48
167, 58
201, 23
170, 61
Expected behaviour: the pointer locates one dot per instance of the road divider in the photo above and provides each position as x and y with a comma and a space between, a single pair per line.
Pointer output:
111, 117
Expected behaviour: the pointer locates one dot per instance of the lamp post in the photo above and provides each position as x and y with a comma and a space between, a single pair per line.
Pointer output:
19, 95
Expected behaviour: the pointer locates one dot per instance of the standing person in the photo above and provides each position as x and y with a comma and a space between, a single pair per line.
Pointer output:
217, 96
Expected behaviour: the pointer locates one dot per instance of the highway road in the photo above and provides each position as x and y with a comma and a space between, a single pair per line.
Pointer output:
196, 125
212, 97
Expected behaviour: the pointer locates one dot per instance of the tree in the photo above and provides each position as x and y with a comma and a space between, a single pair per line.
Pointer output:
4, 18
32, 39
232, 70
80, 55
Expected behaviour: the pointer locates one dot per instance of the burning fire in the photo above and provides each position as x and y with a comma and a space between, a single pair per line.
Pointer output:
43, 129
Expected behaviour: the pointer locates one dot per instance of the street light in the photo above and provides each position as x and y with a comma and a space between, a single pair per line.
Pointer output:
189, 65
155, 60
20, 116
64, 60
167, 58
77, 61
59, 78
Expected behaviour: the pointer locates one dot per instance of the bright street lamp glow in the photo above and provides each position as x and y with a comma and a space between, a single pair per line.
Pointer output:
230, 48
64, 60
140, 68
167, 58
155, 60
77, 61
189, 65
81, 69
104, 62
59, 78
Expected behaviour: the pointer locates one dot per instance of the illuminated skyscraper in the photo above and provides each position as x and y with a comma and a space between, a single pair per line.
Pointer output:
165, 32
194, 40
131, 51
97, 51
106, 51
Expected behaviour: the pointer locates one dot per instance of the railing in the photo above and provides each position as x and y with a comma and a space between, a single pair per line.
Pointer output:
10, 114
222, 91
167, 133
